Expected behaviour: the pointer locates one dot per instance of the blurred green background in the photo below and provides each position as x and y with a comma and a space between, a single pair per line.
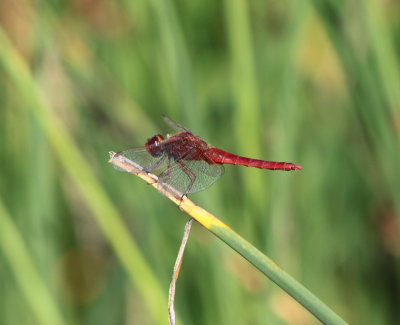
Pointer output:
311, 82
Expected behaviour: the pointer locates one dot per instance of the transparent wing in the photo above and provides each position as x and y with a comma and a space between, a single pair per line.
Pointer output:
141, 157
175, 125
190, 176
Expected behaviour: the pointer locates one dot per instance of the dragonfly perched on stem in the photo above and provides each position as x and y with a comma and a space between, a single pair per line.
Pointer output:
187, 163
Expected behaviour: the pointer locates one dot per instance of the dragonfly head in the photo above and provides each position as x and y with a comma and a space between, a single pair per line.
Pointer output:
154, 145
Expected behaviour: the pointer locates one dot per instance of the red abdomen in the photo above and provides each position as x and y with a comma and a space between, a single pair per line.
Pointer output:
222, 157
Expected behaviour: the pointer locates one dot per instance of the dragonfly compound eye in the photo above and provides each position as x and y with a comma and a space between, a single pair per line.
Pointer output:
154, 145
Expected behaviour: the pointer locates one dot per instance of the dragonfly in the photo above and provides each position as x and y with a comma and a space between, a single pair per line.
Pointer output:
187, 163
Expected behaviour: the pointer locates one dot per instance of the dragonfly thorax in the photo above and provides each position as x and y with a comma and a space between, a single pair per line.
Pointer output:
154, 145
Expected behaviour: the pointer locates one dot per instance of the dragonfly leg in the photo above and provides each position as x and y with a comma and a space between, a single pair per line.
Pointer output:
166, 173
156, 165
189, 173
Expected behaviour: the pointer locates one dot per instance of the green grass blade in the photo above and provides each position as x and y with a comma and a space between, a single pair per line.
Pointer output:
244, 87
276, 274
265, 265
85, 181
27, 276
385, 54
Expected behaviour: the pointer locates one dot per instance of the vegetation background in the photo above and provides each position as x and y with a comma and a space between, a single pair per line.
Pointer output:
316, 83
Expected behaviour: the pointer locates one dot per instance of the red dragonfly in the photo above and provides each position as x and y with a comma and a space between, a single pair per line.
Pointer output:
187, 163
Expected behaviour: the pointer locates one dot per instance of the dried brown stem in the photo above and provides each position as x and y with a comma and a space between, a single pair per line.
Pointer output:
177, 267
